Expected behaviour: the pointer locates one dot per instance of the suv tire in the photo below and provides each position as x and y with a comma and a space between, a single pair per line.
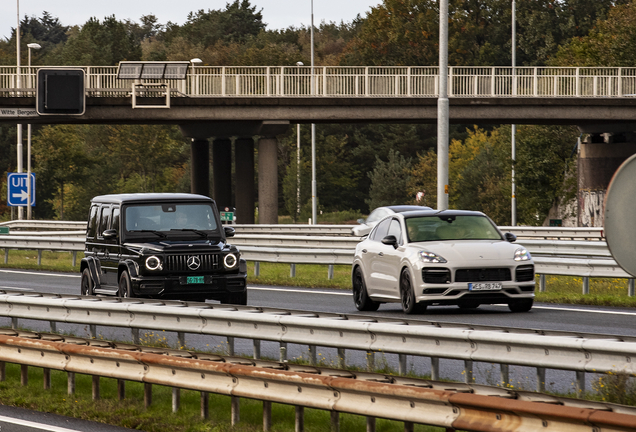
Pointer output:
86, 283
521, 305
236, 299
125, 289
361, 298
407, 296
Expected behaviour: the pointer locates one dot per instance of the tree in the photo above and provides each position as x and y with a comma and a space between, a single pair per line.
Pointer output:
389, 181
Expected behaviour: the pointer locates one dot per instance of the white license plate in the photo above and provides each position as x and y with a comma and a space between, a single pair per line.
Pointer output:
485, 286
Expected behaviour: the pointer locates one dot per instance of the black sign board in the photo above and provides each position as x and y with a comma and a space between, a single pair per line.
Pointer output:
60, 91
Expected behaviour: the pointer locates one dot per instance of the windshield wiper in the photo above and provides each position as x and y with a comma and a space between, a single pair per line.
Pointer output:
160, 234
201, 233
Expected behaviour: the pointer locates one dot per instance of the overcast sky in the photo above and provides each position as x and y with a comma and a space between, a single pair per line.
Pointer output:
276, 13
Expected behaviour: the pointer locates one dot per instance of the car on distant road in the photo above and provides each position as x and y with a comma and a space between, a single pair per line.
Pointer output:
160, 245
451, 257
366, 225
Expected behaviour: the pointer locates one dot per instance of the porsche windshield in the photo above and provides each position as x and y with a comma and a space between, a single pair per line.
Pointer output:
170, 217
450, 227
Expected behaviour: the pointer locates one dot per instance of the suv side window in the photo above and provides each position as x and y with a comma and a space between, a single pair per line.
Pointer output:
92, 222
381, 230
104, 220
115, 223
395, 230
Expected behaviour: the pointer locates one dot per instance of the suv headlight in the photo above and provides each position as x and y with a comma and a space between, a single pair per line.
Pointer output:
430, 257
230, 261
153, 263
522, 254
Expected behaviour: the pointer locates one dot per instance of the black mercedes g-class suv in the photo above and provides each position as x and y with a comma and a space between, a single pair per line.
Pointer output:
161, 245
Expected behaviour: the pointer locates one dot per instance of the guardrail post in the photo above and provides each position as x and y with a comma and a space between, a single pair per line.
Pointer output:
14, 323
330, 272
93, 330
267, 416
6, 256
135, 335
181, 340
176, 399
300, 419
147, 395
630, 287
283, 352
121, 389
257, 349
46, 373
70, 383
24, 375
74, 258
370, 424
230, 345
586, 285
580, 383
95, 387
409, 426
257, 268
468, 371
335, 421
205, 405
341, 358
540, 379
39, 257
402, 364
53, 326
435, 368
370, 361
236, 410
505, 374
292, 270
312, 355
3, 371
542, 283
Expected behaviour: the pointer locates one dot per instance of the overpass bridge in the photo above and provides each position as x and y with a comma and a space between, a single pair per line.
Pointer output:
223, 102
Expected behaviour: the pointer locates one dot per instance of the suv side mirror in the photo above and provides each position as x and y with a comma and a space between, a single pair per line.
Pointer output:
109, 234
390, 240
361, 221
510, 237
229, 231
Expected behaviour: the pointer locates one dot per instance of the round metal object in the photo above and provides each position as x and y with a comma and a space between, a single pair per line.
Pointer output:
620, 214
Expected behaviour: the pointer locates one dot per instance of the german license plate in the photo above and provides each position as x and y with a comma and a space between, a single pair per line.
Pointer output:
485, 286
195, 280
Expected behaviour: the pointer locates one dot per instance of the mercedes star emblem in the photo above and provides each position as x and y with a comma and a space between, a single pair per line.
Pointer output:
194, 262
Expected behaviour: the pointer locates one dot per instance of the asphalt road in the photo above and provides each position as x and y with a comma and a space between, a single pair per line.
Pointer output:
585, 319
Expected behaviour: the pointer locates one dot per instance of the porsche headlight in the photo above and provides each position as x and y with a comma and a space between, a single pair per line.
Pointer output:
522, 254
153, 263
430, 257
230, 261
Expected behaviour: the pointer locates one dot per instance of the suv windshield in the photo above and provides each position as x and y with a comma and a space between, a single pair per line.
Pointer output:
445, 227
160, 218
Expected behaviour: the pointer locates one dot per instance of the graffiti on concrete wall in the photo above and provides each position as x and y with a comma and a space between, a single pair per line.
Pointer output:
591, 208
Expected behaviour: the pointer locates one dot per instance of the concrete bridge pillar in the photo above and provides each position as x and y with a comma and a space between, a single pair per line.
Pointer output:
200, 167
222, 172
244, 180
268, 180
600, 155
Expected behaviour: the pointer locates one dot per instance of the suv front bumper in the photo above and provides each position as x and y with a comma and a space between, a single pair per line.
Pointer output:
214, 287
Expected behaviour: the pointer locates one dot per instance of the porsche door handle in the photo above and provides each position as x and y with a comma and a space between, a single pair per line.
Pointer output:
364, 251
381, 254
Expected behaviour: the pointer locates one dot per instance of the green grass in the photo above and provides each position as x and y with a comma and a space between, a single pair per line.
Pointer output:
559, 289
131, 412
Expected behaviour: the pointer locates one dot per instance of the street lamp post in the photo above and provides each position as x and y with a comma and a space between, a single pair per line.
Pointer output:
513, 203
18, 84
29, 191
442, 110
314, 210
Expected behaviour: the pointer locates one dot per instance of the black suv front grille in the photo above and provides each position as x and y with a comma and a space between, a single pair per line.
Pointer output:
525, 273
179, 263
436, 275
482, 275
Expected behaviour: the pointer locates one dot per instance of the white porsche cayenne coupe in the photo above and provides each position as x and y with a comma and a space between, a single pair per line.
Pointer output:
450, 257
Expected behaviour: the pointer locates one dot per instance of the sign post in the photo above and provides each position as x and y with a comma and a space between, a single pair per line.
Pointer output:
17, 189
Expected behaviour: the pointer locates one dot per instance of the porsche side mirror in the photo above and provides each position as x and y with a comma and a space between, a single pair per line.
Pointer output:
510, 237
391, 241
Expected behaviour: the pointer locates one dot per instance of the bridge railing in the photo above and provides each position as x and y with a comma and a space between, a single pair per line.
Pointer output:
363, 81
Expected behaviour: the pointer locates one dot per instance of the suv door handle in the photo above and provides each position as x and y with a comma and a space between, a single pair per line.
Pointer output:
364, 251
381, 254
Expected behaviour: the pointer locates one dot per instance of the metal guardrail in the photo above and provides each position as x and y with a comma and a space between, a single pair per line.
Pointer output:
579, 352
450, 405
34, 225
358, 81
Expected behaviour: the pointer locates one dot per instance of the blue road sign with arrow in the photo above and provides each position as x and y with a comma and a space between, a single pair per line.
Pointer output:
17, 189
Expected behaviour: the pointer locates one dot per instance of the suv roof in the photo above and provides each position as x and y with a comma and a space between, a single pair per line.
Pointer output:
148, 197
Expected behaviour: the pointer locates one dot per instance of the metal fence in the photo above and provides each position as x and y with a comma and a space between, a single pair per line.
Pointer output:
450, 405
376, 81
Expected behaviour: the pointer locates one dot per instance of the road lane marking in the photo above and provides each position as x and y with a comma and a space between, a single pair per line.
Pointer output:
16, 288
40, 274
585, 310
300, 291
35, 425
